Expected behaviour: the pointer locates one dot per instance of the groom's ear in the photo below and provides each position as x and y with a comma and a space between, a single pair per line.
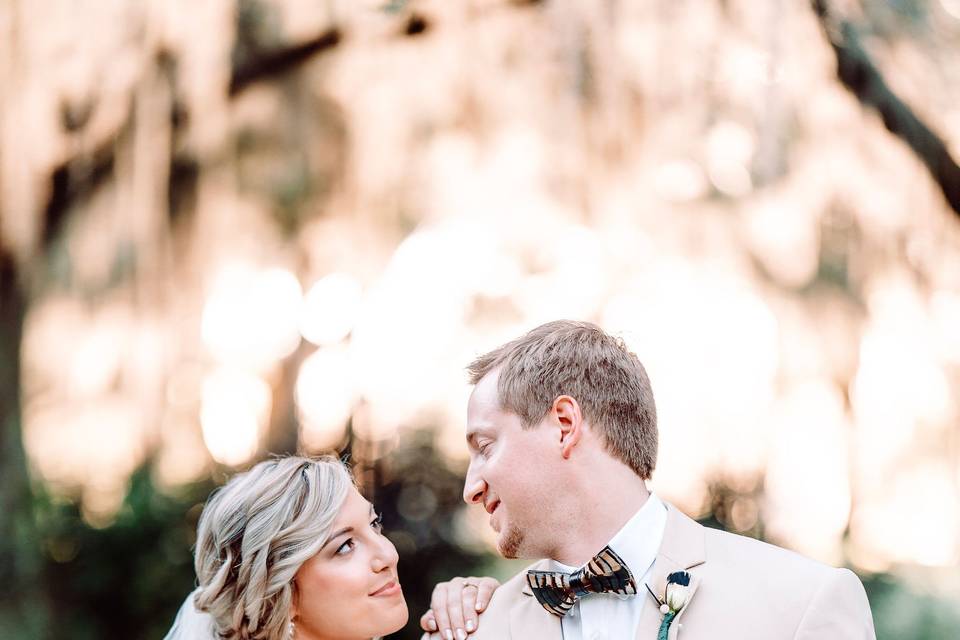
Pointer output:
569, 420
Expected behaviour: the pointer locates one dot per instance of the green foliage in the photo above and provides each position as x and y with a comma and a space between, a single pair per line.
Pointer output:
904, 614
125, 580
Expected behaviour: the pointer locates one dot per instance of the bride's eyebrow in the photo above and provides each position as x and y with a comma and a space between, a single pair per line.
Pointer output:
337, 534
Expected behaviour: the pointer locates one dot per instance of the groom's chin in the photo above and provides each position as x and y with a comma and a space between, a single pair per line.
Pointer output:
509, 554
510, 542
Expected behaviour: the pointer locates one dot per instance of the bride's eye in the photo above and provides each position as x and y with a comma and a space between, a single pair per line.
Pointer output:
377, 523
346, 547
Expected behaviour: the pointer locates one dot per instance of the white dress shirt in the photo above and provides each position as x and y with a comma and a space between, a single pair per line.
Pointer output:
608, 616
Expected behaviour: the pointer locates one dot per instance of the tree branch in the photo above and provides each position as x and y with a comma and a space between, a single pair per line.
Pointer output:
862, 78
275, 62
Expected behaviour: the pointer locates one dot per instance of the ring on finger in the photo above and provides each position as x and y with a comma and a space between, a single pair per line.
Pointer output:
467, 583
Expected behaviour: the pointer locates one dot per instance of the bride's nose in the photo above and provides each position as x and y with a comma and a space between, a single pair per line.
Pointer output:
385, 555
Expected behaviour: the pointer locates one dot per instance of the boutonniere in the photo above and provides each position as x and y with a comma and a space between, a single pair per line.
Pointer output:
675, 598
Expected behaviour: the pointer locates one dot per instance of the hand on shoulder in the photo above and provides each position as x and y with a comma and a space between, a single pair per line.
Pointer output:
455, 607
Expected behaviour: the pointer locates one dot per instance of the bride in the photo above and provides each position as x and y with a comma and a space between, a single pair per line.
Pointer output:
290, 550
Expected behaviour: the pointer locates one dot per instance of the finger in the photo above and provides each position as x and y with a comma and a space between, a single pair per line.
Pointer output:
485, 592
438, 602
455, 608
468, 599
428, 622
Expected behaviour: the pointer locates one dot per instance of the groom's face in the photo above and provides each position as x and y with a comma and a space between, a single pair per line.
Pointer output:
511, 473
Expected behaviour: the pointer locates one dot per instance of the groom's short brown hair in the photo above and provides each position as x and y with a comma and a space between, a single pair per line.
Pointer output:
580, 360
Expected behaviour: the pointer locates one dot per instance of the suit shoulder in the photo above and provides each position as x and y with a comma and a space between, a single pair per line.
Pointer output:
511, 590
724, 546
807, 595
839, 609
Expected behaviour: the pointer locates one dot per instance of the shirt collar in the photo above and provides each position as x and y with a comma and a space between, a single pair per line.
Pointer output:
639, 540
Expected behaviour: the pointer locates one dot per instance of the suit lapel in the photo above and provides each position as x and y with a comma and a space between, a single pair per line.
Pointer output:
530, 620
681, 550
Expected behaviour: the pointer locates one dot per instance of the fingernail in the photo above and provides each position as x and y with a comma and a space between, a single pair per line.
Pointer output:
478, 606
461, 634
432, 624
448, 634
470, 626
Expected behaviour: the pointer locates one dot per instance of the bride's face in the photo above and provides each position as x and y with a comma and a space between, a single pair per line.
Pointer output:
350, 588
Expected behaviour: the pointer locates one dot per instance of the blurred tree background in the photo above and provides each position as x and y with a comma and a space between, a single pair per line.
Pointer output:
243, 227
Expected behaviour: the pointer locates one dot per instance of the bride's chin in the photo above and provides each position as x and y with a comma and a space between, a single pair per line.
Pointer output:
397, 618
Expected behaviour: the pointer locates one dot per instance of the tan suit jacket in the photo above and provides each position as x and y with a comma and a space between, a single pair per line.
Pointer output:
740, 589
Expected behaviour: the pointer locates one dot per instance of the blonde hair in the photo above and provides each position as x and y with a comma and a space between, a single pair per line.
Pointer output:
580, 360
255, 533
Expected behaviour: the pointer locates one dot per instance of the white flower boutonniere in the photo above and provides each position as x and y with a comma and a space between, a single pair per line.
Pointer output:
678, 587
674, 600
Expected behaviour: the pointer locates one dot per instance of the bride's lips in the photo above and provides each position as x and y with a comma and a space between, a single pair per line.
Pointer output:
392, 588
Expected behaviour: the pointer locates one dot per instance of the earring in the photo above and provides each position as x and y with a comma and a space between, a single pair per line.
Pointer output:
290, 629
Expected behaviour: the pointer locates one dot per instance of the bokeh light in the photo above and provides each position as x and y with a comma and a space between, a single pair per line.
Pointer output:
252, 316
233, 413
330, 309
326, 396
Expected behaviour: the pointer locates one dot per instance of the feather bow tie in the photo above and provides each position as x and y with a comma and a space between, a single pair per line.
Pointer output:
558, 591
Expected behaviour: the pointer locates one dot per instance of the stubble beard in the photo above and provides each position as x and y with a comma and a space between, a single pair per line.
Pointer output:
511, 542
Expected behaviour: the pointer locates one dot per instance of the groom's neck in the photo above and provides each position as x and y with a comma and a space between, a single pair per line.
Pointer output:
602, 505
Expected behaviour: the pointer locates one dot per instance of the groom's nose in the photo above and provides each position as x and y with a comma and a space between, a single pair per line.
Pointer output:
473, 488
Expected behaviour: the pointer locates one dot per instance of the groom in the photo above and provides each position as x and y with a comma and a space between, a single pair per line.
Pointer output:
562, 433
